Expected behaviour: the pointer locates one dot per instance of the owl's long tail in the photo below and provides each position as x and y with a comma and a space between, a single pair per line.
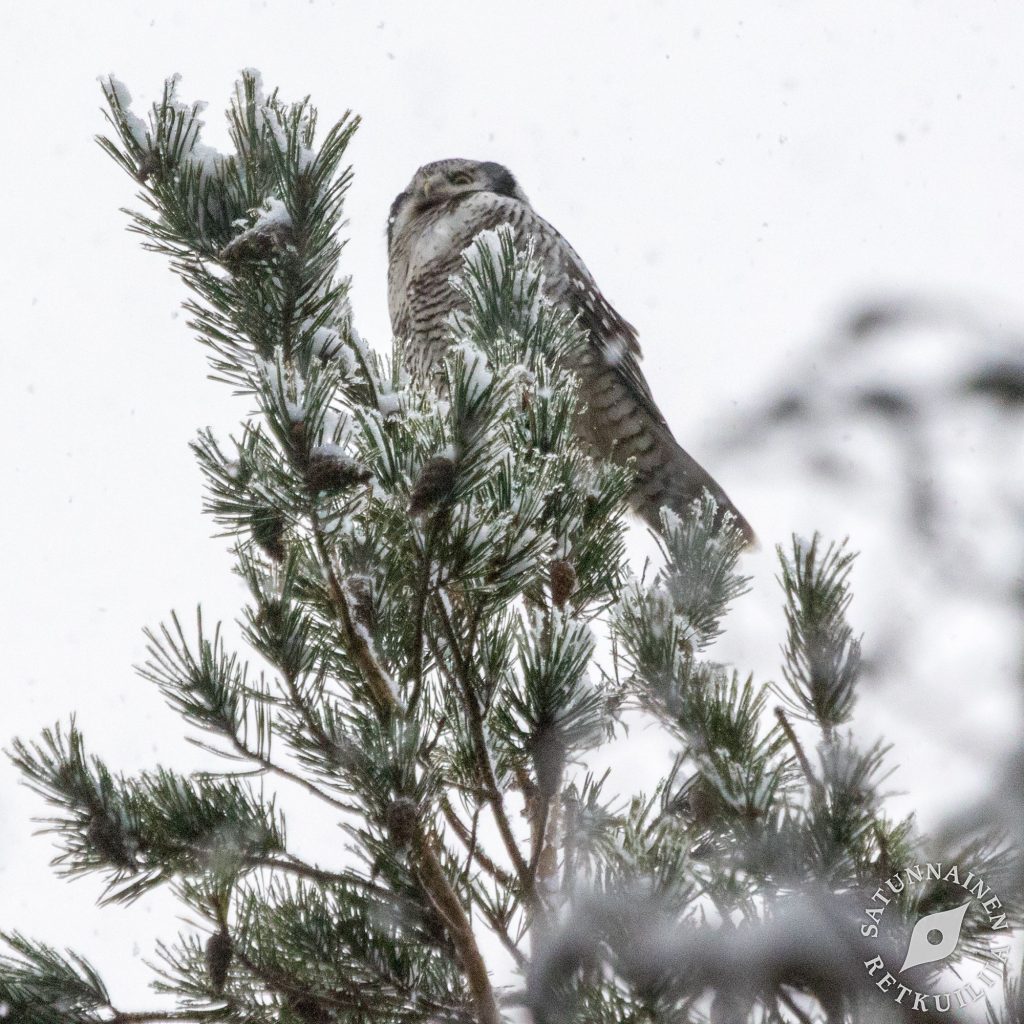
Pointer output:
628, 428
674, 478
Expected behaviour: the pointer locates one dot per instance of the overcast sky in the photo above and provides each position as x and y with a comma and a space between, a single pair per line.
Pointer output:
733, 173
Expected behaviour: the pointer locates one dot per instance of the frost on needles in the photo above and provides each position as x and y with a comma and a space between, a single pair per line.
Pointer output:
442, 628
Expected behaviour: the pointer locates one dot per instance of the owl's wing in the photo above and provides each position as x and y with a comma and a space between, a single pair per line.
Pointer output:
612, 341
625, 419
611, 338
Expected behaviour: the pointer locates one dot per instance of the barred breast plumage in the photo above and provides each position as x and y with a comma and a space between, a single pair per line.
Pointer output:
445, 206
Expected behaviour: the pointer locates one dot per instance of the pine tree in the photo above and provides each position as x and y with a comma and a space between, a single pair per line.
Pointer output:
443, 627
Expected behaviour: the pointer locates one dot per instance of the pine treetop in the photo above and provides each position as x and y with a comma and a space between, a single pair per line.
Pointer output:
443, 627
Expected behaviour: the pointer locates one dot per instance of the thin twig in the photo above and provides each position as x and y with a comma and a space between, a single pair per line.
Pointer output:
794, 741
786, 998
288, 862
316, 729
540, 826
483, 759
495, 870
471, 848
353, 998
499, 929
272, 766
431, 874
419, 615
155, 1016
373, 673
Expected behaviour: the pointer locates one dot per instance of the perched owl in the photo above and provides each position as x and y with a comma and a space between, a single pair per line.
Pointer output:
448, 203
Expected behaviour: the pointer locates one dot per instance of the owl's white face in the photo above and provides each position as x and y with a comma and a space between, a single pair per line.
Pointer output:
446, 181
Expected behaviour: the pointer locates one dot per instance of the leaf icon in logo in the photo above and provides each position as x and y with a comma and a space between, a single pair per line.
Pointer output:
934, 937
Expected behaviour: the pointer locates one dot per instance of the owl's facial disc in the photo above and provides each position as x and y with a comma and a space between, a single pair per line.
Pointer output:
446, 181
442, 185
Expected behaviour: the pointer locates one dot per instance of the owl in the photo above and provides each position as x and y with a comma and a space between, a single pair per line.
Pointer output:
445, 206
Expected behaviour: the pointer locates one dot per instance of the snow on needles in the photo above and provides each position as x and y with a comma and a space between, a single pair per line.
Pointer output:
273, 215
487, 244
123, 99
493, 246
477, 371
205, 158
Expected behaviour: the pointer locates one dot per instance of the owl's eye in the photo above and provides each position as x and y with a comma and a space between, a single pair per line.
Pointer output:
460, 178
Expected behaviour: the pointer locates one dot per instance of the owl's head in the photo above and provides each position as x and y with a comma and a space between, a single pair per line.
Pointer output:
449, 180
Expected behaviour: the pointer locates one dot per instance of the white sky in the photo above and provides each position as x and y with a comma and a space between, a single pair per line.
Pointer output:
733, 174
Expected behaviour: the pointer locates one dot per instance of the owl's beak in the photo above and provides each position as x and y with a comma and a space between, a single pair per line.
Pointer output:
432, 185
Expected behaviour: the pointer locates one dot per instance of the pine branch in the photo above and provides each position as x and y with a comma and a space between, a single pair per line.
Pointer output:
488, 777
460, 929
211, 690
379, 683
822, 658
477, 854
294, 866
798, 749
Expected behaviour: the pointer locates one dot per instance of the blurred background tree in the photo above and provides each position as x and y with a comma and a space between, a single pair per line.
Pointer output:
904, 428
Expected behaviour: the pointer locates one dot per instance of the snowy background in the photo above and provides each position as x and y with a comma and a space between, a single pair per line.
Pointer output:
813, 220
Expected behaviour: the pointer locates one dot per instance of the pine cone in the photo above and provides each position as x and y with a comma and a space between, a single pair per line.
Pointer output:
271, 616
436, 481
266, 238
701, 802
149, 167
402, 817
268, 528
308, 1009
562, 581
106, 836
359, 591
219, 952
297, 434
329, 470
548, 761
